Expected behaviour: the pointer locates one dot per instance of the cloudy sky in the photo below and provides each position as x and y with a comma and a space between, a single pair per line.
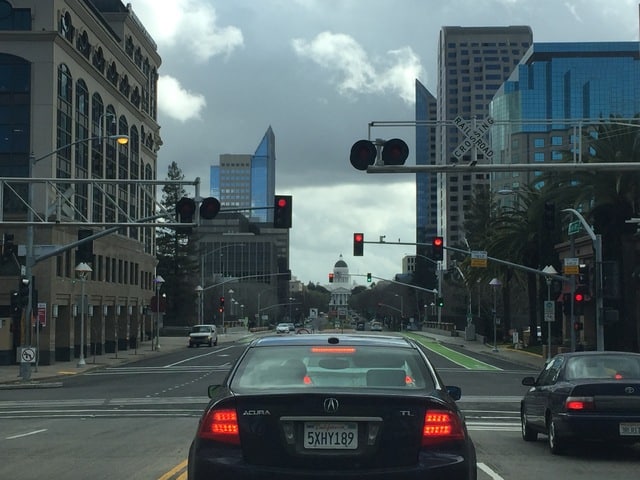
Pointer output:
317, 72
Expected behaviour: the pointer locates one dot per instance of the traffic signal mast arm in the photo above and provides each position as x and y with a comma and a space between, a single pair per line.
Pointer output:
506, 167
468, 253
395, 281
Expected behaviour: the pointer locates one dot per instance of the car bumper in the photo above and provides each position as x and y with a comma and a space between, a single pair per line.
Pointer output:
444, 467
200, 341
591, 428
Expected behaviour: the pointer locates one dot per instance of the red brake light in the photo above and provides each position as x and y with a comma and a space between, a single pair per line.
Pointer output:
580, 403
440, 426
333, 350
220, 425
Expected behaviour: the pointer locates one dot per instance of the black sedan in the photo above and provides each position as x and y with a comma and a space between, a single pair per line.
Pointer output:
584, 396
332, 406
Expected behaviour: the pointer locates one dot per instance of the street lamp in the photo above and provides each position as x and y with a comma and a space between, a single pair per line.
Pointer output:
30, 260
549, 316
230, 292
401, 310
199, 290
83, 270
158, 281
495, 284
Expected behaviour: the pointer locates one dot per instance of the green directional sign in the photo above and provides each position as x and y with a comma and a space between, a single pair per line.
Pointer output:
574, 227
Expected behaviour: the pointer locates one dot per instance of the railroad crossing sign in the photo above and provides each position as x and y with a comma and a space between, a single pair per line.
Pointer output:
474, 137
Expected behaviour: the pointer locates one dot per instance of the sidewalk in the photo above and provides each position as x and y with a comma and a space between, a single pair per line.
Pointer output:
51, 376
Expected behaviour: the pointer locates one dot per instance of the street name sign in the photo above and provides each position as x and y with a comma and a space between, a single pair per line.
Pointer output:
479, 259
571, 266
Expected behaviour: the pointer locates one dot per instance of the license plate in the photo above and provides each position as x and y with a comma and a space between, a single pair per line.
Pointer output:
335, 436
629, 429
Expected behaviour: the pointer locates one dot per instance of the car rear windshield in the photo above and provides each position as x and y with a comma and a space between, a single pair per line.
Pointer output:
333, 366
614, 366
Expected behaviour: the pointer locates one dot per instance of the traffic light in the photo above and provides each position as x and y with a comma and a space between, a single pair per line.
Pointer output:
358, 244
84, 253
368, 277
566, 304
583, 277
331, 278
209, 208
577, 326
578, 302
395, 152
15, 303
8, 247
438, 248
282, 210
440, 302
23, 292
185, 210
221, 305
363, 154
549, 216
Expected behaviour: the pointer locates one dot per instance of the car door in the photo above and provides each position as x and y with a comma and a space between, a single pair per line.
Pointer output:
538, 397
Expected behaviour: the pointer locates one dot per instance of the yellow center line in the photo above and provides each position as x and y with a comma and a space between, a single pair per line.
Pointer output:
181, 466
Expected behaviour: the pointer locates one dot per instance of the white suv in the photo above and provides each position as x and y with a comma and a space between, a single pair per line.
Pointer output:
203, 335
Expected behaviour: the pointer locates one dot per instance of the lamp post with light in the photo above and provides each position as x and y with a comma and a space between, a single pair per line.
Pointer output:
199, 291
30, 260
83, 270
158, 281
495, 284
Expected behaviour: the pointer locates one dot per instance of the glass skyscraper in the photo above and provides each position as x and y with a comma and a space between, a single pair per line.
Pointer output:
247, 181
557, 90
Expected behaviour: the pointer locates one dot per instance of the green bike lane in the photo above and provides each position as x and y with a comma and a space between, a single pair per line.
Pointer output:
454, 356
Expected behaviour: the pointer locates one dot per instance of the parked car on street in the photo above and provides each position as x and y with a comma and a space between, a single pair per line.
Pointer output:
584, 396
333, 406
203, 335
376, 327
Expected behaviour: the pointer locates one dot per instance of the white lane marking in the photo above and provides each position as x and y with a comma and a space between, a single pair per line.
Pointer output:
214, 352
25, 434
489, 471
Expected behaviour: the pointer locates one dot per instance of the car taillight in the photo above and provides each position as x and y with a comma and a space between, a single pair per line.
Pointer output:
220, 425
441, 426
580, 403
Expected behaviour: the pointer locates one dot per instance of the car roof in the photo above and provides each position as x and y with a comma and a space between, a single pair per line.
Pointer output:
590, 353
333, 339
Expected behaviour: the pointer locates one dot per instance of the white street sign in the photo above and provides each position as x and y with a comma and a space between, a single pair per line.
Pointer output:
474, 137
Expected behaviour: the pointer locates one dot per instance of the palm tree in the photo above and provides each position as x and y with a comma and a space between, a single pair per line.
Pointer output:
609, 199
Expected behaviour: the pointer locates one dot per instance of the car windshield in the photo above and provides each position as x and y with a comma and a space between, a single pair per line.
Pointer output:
603, 366
307, 367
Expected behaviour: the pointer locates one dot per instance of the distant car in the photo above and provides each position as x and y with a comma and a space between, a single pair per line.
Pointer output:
282, 328
333, 406
584, 396
376, 327
203, 335
292, 327
360, 326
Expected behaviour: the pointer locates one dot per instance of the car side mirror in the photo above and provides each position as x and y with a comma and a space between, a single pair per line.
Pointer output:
211, 391
529, 381
454, 392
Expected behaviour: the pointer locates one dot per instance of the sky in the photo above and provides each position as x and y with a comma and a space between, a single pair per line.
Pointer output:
318, 72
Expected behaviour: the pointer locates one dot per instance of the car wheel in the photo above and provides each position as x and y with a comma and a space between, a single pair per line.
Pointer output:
215, 344
556, 444
528, 434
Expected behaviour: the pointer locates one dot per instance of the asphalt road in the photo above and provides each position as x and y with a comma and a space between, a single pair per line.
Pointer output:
136, 421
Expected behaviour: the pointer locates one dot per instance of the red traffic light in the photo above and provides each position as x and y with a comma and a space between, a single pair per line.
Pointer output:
185, 208
358, 244
282, 211
331, 278
437, 248
579, 297
363, 154
395, 152
209, 208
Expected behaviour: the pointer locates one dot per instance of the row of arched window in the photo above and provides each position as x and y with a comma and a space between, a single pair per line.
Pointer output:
142, 97
84, 115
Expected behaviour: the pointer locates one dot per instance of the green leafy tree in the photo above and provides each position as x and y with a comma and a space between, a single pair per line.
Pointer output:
177, 262
608, 199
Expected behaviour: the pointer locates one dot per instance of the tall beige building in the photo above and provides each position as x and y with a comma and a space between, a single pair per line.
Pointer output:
73, 75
